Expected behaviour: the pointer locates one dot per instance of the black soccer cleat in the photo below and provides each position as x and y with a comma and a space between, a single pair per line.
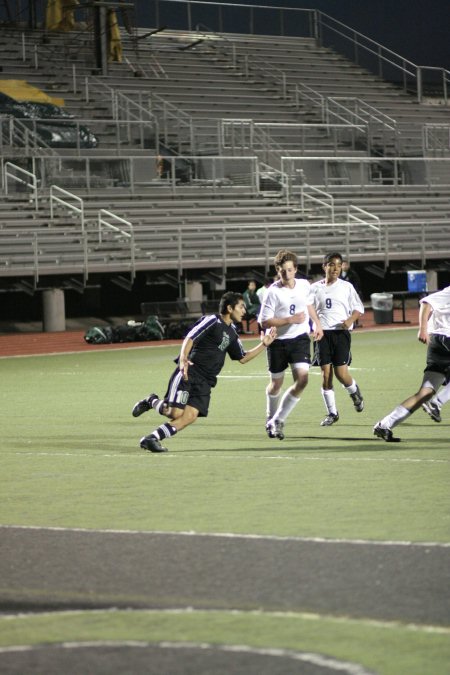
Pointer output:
275, 429
358, 400
330, 419
433, 410
140, 407
143, 406
385, 434
270, 432
152, 444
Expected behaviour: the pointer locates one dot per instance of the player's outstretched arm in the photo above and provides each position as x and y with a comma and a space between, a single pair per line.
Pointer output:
266, 340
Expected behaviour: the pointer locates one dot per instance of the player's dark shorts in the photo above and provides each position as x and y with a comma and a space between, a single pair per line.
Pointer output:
196, 391
438, 355
333, 348
282, 353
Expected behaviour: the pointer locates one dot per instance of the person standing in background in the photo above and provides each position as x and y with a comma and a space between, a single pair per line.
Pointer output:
262, 290
252, 303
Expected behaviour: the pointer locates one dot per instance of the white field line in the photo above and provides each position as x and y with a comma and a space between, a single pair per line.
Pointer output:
214, 455
229, 535
325, 662
190, 611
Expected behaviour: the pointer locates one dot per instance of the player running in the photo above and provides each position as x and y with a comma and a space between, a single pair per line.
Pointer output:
201, 359
434, 331
338, 306
287, 306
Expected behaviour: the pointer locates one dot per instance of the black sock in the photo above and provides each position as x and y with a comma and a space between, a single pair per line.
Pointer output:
158, 404
164, 431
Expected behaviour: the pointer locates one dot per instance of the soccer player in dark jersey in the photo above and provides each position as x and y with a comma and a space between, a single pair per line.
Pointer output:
201, 359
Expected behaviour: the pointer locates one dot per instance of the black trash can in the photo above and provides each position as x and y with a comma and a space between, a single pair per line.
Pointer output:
383, 307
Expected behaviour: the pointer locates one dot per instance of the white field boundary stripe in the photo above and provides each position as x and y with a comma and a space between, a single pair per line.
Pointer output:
113, 348
321, 660
188, 455
188, 611
230, 535
172, 344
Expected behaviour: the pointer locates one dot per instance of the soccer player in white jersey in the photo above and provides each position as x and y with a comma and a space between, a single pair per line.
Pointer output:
434, 331
287, 306
338, 306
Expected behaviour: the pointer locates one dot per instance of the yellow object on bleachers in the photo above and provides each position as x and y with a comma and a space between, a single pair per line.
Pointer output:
114, 41
59, 14
20, 90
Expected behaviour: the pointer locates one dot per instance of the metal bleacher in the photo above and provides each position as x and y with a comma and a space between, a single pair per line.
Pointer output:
257, 119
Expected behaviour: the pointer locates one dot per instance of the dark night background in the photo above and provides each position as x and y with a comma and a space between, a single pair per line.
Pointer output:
418, 31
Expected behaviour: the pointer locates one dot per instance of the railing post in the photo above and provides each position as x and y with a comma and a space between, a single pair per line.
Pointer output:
131, 160
74, 78
419, 83
316, 27
189, 15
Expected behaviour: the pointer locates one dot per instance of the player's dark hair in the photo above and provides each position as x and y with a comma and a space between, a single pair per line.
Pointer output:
229, 298
283, 256
330, 256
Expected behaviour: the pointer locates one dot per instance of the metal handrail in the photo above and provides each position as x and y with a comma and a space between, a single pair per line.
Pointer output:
400, 166
32, 183
231, 245
436, 137
375, 225
103, 223
31, 140
78, 210
326, 199
317, 24
367, 214
383, 55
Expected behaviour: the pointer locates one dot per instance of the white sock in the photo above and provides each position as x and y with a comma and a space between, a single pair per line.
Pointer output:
399, 414
351, 389
443, 396
288, 403
272, 404
330, 400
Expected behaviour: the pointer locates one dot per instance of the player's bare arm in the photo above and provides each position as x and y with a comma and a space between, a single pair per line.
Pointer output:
424, 314
354, 316
266, 340
183, 362
318, 330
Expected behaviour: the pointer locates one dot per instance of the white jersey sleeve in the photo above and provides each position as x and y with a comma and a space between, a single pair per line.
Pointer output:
282, 301
335, 302
439, 321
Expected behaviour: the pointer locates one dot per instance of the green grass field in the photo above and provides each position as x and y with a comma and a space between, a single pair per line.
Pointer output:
71, 459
